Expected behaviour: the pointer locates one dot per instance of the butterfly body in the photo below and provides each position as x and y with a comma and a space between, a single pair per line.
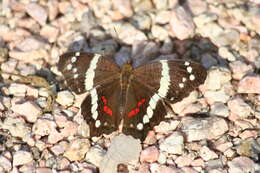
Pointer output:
132, 97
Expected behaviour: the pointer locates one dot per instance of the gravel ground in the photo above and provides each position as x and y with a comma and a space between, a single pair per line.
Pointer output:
41, 128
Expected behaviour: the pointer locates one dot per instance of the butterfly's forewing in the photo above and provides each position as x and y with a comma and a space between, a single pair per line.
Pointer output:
100, 76
84, 71
165, 80
173, 80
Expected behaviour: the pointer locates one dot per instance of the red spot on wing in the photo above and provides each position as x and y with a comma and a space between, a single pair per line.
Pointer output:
136, 110
106, 109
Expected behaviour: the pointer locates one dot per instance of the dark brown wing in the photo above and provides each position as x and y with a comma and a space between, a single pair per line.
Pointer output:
84, 71
171, 79
152, 85
100, 108
100, 76
145, 109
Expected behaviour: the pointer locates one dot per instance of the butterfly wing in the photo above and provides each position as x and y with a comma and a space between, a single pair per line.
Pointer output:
100, 108
139, 118
100, 76
84, 71
173, 80
170, 80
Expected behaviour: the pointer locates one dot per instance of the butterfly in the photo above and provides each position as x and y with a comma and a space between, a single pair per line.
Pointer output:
133, 99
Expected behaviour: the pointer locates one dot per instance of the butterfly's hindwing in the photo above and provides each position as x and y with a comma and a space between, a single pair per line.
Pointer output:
144, 109
100, 109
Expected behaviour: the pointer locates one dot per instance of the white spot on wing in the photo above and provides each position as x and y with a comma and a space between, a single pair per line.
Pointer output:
184, 79
76, 76
146, 119
149, 112
181, 85
69, 67
186, 63
90, 73
95, 115
74, 70
189, 69
192, 77
73, 59
77, 54
140, 126
97, 123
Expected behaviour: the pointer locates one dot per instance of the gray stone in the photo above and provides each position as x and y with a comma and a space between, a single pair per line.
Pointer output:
174, 144
219, 109
216, 78
204, 18
95, 155
241, 165
159, 32
181, 23
198, 129
123, 149
227, 54
141, 21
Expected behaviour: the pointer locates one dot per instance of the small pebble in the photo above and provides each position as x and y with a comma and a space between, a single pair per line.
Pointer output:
181, 23
77, 149
27, 109
210, 128
219, 109
173, 144
155, 168
43, 127
49, 32
183, 161
17, 89
249, 84
159, 32
122, 149
162, 158
217, 96
43, 170
227, 54
95, 155
149, 154
216, 78
240, 69
239, 107
37, 12
207, 154
21, 158
5, 163
65, 98
241, 165
17, 127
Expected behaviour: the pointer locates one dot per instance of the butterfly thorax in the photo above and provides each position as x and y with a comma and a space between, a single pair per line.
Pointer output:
126, 75
125, 81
